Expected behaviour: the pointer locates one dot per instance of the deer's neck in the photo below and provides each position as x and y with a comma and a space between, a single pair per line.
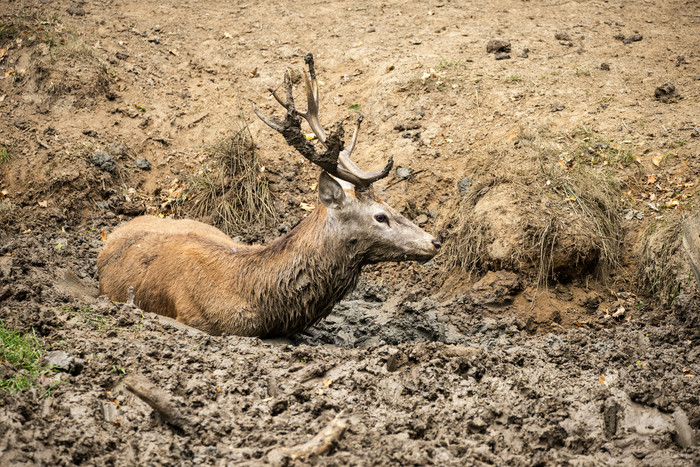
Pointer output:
300, 276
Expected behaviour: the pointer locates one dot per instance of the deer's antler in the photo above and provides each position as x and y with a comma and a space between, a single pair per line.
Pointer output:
336, 158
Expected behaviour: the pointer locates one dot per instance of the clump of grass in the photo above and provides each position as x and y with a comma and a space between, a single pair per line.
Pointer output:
5, 155
540, 219
233, 190
23, 352
512, 79
662, 266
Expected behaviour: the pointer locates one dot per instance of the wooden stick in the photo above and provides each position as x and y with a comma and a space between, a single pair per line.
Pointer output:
318, 445
158, 399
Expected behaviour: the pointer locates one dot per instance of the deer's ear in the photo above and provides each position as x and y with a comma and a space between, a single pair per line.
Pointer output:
330, 191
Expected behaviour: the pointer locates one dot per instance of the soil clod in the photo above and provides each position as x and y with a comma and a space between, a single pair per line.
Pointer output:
667, 93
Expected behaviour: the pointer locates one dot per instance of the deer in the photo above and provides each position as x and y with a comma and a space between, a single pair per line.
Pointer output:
196, 274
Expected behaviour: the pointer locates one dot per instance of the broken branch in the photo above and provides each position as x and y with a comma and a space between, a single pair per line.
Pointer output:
158, 399
318, 445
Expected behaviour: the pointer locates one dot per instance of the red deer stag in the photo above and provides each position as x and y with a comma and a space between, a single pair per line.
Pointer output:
196, 274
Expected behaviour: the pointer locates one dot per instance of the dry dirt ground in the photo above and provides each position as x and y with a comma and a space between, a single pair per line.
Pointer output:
559, 326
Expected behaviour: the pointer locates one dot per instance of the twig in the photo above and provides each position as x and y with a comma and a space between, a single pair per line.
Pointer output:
158, 399
625, 125
389, 185
478, 109
318, 445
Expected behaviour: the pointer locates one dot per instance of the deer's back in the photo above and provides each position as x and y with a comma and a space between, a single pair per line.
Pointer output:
173, 267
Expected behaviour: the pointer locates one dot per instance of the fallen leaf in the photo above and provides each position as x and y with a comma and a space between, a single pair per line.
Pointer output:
254, 73
43, 204
4, 193
310, 136
327, 382
656, 160
9, 72
601, 380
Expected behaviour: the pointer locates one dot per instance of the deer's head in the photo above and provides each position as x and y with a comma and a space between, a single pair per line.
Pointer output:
368, 227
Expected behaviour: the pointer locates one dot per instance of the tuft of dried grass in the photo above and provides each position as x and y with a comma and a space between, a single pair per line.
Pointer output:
232, 190
554, 223
663, 268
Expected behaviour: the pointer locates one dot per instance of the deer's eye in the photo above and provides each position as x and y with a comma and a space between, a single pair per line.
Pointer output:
382, 219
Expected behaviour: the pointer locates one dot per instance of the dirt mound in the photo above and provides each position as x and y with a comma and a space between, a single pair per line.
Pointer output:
539, 219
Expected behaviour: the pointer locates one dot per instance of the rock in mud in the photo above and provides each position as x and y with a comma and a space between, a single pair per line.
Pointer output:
684, 433
496, 288
667, 93
403, 172
496, 46
60, 360
142, 163
104, 161
464, 185
633, 38
117, 149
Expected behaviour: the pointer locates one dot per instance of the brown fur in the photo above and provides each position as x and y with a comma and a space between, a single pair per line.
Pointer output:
196, 274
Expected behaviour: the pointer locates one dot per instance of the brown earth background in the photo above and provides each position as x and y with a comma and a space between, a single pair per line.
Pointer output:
558, 326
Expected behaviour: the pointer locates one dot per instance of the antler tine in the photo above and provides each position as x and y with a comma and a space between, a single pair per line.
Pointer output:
346, 165
311, 114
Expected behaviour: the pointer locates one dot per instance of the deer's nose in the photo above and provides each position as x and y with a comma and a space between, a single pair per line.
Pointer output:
437, 244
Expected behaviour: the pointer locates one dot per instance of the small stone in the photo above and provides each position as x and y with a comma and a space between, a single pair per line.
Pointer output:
497, 46
503, 56
557, 107
633, 38
116, 148
403, 172
122, 55
667, 93
60, 360
420, 220
76, 11
464, 185
525, 53
562, 36
496, 288
283, 228
142, 163
104, 161
605, 67
684, 433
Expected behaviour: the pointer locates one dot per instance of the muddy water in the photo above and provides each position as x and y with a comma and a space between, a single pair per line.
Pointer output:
423, 381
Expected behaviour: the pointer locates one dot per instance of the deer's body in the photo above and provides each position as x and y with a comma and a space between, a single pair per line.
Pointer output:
196, 274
